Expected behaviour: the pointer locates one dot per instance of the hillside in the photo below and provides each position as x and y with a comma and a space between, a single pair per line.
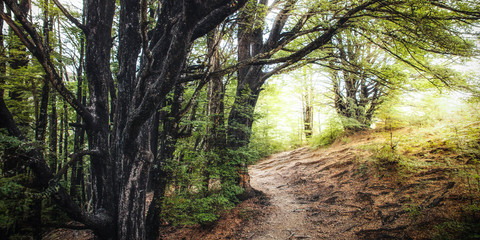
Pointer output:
405, 184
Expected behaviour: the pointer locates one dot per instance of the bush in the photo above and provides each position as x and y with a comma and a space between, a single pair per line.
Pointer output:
327, 137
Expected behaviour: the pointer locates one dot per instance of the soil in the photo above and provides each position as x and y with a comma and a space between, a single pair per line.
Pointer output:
334, 193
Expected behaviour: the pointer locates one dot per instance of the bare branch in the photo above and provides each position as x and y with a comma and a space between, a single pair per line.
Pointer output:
280, 22
474, 14
215, 17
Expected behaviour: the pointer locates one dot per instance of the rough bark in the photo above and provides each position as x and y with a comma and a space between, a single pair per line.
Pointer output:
215, 132
250, 43
77, 179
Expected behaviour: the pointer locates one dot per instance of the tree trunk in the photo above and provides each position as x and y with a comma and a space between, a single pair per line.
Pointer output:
52, 140
160, 176
77, 178
307, 119
215, 132
215, 136
250, 81
41, 124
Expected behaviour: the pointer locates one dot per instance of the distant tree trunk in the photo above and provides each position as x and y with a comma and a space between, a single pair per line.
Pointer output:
77, 179
307, 113
41, 124
215, 132
52, 140
65, 138
4, 113
61, 134
18, 59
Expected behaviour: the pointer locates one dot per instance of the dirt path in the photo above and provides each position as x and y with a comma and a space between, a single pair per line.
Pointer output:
289, 219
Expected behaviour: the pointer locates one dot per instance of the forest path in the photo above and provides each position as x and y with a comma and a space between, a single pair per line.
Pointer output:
288, 219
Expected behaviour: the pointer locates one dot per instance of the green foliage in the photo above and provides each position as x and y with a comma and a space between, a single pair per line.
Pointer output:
20, 204
334, 129
7, 141
263, 145
274, 128
204, 184
253, 15
197, 205
353, 124
13, 204
387, 159
191, 209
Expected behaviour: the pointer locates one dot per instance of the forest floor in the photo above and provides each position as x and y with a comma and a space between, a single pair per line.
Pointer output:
349, 191
339, 192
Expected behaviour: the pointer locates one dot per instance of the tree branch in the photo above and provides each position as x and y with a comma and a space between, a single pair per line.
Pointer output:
321, 40
18, 31
74, 158
71, 18
474, 14
207, 23
280, 22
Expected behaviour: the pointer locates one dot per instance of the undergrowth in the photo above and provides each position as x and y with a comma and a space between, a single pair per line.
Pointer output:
205, 185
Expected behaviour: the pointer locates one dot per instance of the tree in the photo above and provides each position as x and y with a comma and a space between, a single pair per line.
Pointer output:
361, 77
118, 134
